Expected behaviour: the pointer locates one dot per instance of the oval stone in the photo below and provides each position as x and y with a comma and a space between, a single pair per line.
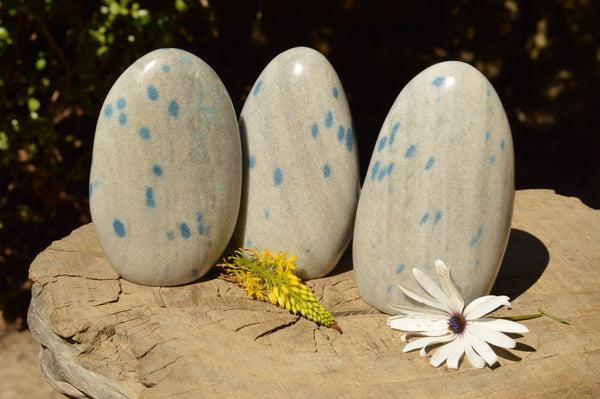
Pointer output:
166, 171
440, 185
301, 173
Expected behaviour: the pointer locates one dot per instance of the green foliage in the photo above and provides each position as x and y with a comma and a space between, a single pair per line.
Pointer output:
58, 60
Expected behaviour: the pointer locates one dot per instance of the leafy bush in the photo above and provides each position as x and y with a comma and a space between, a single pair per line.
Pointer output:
58, 61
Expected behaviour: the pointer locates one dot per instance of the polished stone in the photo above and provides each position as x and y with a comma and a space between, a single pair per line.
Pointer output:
166, 172
301, 173
440, 185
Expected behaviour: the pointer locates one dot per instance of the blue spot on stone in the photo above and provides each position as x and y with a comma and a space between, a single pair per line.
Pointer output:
424, 218
389, 169
326, 171
200, 224
437, 82
90, 190
410, 151
375, 169
121, 103
438, 216
195, 273
166, 68
252, 161
257, 88
248, 244
122, 119
152, 93
502, 145
399, 269
382, 143
173, 108
157, 170
267, 214
335, 92
394, 130
389, 289
341, 132
493, 159
477, 263
476, 238
145, 133
185, 230
277, 176
314, 130
149, 197
108, 110
429, 163
350, 139
171, 235
488, 92
328, 120
119, 228
382, 174
487, 136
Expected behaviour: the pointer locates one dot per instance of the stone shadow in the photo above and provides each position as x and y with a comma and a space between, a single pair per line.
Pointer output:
524, 262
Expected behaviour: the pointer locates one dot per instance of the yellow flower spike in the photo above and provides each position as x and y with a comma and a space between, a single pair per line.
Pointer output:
265, 275
272, 298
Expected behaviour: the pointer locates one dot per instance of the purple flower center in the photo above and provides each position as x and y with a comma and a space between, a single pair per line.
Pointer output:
457, 323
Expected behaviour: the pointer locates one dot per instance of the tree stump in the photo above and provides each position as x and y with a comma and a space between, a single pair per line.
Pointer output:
104, 337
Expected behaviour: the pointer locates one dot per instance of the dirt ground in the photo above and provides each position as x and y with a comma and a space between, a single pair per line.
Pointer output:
20, 373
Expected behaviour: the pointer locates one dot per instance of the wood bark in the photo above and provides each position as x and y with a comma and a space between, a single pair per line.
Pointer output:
104, 337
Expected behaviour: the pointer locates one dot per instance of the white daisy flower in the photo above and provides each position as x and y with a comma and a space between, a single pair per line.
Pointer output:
462, 329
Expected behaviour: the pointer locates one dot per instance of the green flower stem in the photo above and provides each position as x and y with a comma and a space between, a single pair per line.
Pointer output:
535, 316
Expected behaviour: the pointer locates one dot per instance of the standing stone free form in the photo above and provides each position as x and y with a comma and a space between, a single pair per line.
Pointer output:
301, 173
166, 172
440, 185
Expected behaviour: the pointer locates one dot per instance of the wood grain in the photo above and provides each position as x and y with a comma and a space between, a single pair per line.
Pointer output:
104, 337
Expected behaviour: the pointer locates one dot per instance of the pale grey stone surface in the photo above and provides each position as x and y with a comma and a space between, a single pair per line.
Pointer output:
440, 185
301, 173
166, 172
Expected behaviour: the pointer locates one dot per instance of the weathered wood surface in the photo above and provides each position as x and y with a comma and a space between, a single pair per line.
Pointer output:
104, 337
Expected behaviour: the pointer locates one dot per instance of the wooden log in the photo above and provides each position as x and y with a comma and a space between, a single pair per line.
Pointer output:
104, 337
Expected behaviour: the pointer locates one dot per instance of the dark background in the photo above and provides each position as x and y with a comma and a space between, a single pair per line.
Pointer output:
58, 60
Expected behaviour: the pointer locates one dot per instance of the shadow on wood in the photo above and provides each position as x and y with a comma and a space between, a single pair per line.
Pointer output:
524, 262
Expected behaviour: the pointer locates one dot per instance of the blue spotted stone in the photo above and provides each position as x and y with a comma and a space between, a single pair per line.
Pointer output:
450, 194
300, 147
167, 149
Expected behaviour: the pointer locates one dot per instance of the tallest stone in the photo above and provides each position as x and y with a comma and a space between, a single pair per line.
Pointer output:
440, 185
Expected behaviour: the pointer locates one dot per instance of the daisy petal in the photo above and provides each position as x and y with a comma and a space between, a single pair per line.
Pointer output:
425, 342
425, 301
430, 286
492, 336
473, 357
454, 297
405, 323
503, 325
445, 352
484, 305
457, 353
407, 310
482, 348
